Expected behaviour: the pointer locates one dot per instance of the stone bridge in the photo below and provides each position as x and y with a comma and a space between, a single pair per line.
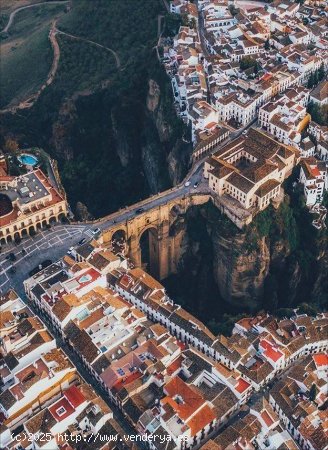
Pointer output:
149, 235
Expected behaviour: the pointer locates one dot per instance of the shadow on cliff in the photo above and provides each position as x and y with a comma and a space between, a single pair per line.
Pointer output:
277, 263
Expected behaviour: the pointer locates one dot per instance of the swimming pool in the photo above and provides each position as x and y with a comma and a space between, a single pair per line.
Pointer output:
85, 278
27, 159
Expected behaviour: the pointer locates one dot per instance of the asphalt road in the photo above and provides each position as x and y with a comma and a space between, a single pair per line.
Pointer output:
52, 244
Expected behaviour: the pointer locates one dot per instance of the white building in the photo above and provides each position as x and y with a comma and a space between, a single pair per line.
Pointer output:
313, 176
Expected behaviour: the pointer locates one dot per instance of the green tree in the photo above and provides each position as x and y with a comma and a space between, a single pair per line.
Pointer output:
310, 310
318, 114
267, 45
81, 212
233, 10
321, 72
310, 83
313, 392
248, 62
11, 146
315, 78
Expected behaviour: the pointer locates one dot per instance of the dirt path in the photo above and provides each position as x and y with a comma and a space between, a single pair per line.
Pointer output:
29, 102
117, 59
13, 14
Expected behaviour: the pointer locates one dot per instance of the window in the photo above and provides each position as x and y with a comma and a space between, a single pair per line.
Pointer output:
61, 411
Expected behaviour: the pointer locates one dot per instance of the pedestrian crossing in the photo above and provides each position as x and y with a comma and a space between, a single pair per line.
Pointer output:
89, 233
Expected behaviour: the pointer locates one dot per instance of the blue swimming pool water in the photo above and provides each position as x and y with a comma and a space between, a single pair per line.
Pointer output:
28, 160
85, 278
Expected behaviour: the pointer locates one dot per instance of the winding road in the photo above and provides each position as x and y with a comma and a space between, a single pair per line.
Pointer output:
13, 14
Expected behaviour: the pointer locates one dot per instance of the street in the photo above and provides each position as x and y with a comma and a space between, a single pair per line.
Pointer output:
46, 244
53, 244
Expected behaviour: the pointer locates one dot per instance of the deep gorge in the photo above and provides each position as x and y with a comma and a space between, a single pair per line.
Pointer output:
276, 264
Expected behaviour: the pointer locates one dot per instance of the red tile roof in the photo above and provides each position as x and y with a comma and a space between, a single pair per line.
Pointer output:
270, 352
267, 419
182, 398
124, 381
204, 417
175, 365
321, 359
74, 396
67, 409
242, 385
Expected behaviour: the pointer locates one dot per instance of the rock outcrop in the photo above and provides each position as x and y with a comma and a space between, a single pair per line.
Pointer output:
239, 273
246, 270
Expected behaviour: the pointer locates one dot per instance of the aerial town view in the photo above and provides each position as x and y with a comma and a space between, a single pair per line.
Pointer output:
163, 224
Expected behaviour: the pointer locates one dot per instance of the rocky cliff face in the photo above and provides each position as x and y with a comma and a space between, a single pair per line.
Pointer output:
177, 151
130, 137
227, 269
239, 273
140, 142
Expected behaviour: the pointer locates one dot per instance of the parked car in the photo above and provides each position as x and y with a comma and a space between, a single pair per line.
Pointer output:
82, 241
139, 211
196, 184
187, 183
96, 231
11, 257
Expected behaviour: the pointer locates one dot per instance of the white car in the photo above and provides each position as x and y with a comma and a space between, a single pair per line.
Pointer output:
187, 183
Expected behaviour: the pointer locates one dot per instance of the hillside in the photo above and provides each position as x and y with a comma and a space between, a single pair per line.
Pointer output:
113, 145
26, 53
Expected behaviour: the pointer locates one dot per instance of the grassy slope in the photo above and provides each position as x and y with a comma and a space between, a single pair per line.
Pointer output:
8, 6
26, 55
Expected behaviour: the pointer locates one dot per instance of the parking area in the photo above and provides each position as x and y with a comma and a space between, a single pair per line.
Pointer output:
16, 261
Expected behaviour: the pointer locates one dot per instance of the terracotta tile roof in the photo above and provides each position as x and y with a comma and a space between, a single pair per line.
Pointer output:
240, 182
210, 445
41, 422
61, 409
267, 419
175, 365
190, 402
74, 396
201, 419
321, 359
320, 93
270, 351
242, 385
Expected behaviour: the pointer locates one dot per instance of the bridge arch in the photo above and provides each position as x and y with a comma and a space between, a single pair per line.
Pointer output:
118, 241
119, 234
149, 250
175, 210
